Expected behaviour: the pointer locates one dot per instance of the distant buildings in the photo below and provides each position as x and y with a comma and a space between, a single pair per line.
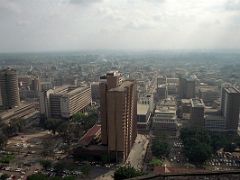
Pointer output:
186, 88
64, 101
29, 87
9, 88
209, 94
118, 109
230, 104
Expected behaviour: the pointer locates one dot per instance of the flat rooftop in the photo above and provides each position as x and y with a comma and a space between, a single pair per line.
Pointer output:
232, 90
197, 103
142, 109
122, 87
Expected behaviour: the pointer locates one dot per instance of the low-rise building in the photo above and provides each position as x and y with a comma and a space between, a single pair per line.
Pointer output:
165, 120
143, 116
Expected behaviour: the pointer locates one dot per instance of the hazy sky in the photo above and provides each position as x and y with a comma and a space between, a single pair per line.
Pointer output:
50, 25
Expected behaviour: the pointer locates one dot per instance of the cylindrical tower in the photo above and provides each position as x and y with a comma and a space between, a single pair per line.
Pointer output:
9, 88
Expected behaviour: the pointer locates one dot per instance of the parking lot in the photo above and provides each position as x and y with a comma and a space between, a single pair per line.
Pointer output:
225, 160
26, 150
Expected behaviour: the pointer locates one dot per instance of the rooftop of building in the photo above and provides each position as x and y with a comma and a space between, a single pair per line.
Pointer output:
214, 117
232, 90
186, 101
113, 73
197, 102
90, 134
122, 87
8, 70
69, 90
142, 109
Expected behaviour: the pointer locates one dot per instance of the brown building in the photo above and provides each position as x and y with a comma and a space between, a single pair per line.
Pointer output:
118, 102
230, 104
9, 88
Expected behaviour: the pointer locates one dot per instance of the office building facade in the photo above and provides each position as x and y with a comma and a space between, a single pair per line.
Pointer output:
230, 104
65, 101
186, 88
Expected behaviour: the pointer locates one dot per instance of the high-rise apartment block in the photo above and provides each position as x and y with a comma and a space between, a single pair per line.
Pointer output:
9, 88
230, 104
64, 101
186, 88
118, 102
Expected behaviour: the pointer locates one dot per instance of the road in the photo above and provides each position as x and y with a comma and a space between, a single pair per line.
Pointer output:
138, 151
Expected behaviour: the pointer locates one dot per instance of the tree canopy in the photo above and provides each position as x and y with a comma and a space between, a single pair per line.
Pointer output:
126, 172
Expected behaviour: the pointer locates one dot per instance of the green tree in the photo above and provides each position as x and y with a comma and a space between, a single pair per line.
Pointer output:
53, 124
4, 177
3, 140
197, 145
86, 168
126, 172
46, 164
160, 148
59, 167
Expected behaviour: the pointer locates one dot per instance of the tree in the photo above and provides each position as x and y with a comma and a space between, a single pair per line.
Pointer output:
46, 164
156, 162
53, 124
59, 167
79, 117
126, 172
160, 148
4, 177
218, 142
86, 169
3, 140
197, 145
199, 153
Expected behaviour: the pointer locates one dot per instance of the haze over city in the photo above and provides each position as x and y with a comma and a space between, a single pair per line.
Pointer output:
71, 25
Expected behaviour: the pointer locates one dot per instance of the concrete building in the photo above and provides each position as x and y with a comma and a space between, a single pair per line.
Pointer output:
143, 116
197, 113
9, 88
25, 111
172, 86
209, 94
95, 91
186, 88
165, 121
230, 104
64, 101
118, 107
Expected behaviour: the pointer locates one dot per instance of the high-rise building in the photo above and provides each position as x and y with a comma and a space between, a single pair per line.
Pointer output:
118, 101
197, 113
111, 80
230, 104
9, 88
186, 88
